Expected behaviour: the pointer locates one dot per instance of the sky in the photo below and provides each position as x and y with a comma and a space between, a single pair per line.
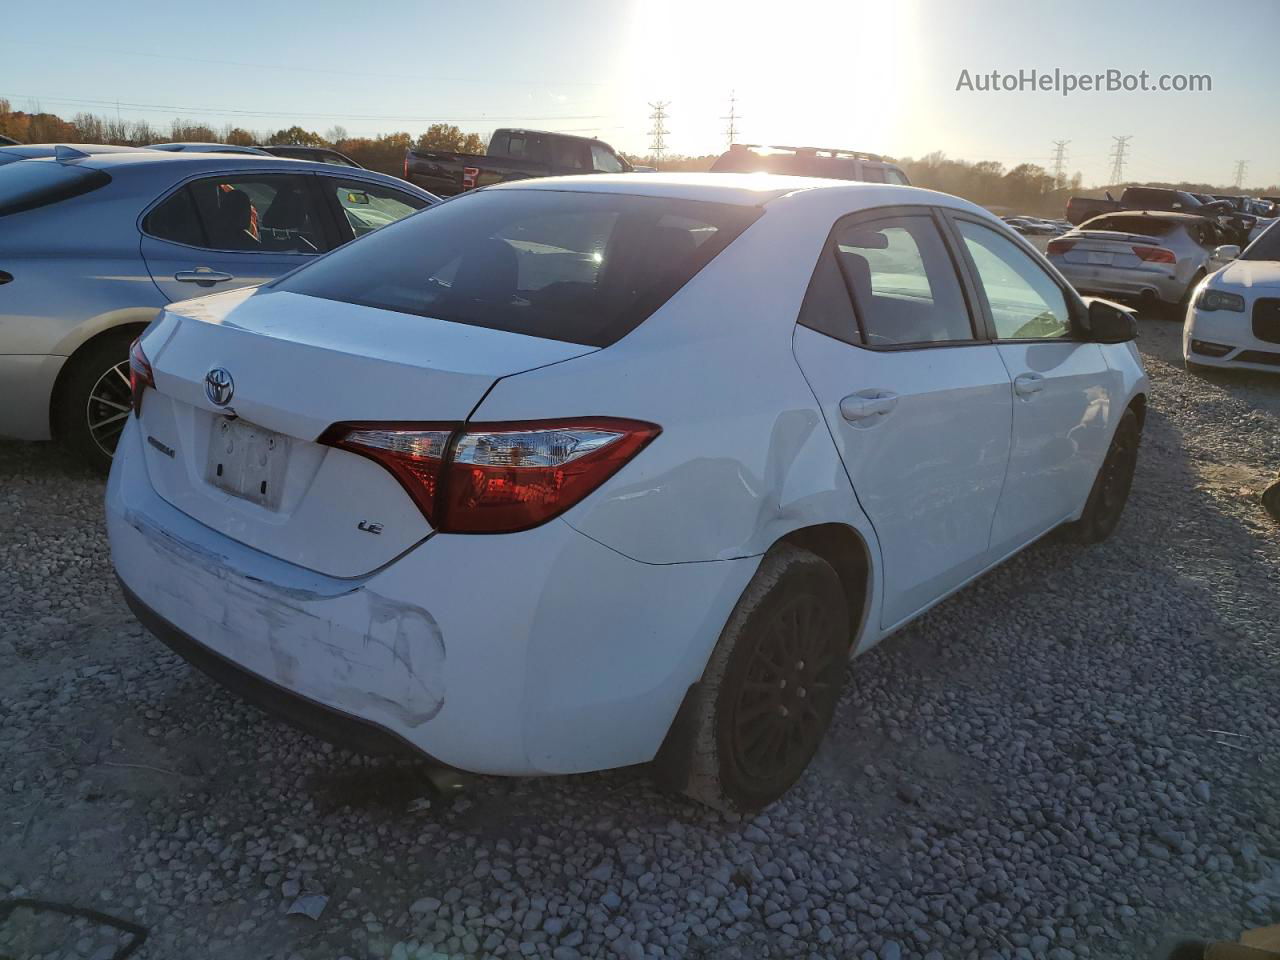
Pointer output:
879, 76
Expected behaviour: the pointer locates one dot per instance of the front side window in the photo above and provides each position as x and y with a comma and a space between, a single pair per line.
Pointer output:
894, 175
1025, 302
266, 213
904, 284
368, 206
603, 160
579, 267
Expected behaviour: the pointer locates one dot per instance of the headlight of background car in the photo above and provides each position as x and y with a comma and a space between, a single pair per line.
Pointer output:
1220, 300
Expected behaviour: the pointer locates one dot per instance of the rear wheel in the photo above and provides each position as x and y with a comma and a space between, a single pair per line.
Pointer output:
769, 690
94, 401
1111, 487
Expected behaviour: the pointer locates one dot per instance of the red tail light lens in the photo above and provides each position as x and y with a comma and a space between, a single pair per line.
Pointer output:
497, 477
1060, 246
140, 375
470, 175
1155, 255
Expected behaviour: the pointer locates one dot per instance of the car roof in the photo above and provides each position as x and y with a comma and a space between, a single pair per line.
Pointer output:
196, 146
744, 189
47, 149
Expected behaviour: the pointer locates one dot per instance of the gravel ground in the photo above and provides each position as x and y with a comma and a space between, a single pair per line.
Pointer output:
1076, 757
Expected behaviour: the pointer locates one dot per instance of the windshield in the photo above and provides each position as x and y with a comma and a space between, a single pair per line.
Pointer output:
36, 183
580, 267
1266, 247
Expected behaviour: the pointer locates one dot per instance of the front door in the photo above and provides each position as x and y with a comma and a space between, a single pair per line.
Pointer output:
1062, 388
919, 407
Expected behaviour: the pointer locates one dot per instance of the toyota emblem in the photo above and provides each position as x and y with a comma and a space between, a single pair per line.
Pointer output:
218, 386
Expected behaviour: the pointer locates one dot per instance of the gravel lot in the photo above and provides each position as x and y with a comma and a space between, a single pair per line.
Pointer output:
1076, 757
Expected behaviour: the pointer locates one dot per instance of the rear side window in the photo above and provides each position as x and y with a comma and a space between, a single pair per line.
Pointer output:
903, 281
579, 267
176, 220
872, 174
29, 184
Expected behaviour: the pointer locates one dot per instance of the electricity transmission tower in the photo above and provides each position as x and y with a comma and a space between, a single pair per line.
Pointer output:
1059, 157
733, 117
1241, 166
659, 131
1117, 156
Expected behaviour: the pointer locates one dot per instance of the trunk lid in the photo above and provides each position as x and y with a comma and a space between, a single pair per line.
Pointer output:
252, 470
1106, 248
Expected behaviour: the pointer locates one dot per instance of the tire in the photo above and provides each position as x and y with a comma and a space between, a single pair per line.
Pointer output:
1111, 487
1178, 311
1271, 500
95, 391
750, 727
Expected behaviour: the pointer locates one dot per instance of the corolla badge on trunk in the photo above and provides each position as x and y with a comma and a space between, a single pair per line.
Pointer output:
218, 386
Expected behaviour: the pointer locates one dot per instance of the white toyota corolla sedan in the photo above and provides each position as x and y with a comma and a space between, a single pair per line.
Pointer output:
1234, 318
584, 472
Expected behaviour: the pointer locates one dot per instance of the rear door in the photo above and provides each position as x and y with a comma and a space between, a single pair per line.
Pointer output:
918, 403
1063, 390
229, 230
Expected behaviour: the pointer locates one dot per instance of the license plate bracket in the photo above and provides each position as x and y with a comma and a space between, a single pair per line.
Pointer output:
247, 461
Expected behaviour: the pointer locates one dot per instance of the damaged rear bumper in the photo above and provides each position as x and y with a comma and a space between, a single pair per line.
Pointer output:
529, 653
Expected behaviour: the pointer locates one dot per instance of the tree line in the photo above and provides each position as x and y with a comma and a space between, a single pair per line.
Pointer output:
384, 152
1025, 189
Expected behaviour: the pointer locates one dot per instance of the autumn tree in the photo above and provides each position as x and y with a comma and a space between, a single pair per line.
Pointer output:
296, 136
447, 136
239, 137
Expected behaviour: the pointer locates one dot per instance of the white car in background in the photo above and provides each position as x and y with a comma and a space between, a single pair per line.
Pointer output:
584, 472
1234, 319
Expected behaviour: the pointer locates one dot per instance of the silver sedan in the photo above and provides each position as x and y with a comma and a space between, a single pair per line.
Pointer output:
1151, 256
92, 246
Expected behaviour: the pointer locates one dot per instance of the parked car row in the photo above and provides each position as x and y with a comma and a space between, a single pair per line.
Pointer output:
1037, 226
96, 240
1236, 227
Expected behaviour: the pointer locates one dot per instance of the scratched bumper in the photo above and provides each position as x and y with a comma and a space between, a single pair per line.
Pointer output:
537, 652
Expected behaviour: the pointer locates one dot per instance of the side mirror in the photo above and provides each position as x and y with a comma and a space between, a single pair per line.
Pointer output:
1228, 251
1109, 322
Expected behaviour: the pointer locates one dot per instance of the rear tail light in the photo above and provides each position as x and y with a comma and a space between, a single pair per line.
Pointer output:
496, 477
469, 177
140, 375
1060, 246
1155, 255
406, 165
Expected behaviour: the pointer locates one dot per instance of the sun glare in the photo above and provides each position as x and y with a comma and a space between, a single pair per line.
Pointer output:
836, 76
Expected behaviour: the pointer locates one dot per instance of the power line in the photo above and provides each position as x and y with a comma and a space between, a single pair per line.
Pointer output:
659, 131
1241, 166
1117, 157
1059, 156
733, 117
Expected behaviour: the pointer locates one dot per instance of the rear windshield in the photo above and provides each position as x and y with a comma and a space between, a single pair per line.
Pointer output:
38, 183
580, 267
1146, 226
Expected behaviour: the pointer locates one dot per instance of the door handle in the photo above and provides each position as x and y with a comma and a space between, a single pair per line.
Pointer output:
203, 276
1026, 384
868, 404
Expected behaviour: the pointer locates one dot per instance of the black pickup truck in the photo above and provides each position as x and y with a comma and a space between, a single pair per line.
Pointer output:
512, 155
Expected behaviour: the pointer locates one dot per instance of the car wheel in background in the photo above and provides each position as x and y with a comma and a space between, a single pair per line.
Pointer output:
94, 401
1179, 310
752, 724
1111, 487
